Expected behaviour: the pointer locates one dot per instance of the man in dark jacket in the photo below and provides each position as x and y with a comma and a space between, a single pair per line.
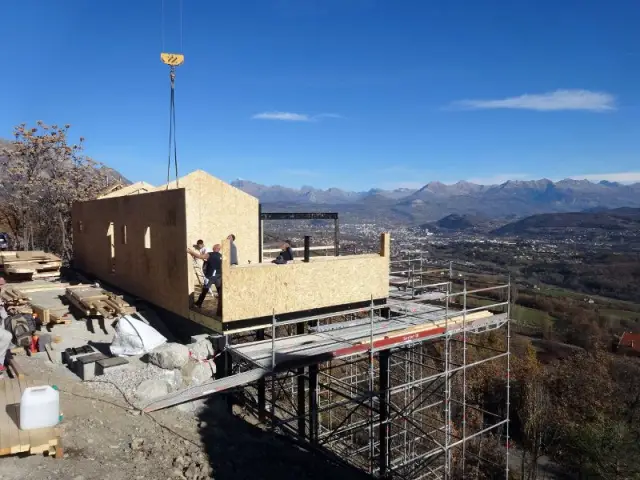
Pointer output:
285, 255
212, 269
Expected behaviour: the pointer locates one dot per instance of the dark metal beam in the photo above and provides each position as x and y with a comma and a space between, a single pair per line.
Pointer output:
307, 244
336, 238
301, 397
298, 215
385, 400
313, 403
260, 233
262, 387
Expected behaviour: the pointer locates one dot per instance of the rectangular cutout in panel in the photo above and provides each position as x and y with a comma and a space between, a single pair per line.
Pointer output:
124, 234
112, 246
147, 237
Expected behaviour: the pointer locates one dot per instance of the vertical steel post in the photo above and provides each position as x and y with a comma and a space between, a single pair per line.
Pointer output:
313, 403
385, 400
262, 388
260, 233
336, 236
464, 377
301, 397
447, 388
508, 406
307, 244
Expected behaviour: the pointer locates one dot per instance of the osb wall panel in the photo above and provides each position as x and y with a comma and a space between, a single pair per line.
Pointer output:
158, 274
216, 209
257, 290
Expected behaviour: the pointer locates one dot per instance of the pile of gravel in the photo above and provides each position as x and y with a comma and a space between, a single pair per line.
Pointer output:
128, 380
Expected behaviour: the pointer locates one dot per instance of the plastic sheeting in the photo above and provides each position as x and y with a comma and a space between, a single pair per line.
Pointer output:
134, 337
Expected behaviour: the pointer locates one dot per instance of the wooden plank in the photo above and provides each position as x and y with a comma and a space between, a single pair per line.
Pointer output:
17, 371
5, 420
43, 313
14, 440
23, 436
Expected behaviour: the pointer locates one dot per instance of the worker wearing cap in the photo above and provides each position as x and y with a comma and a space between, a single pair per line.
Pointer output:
5, 334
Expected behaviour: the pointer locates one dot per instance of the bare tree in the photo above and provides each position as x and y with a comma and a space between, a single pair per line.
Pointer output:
41, 176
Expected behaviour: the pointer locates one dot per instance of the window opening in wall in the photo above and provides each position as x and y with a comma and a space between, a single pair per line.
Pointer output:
80, 226
147, 237
124, 234
112, 247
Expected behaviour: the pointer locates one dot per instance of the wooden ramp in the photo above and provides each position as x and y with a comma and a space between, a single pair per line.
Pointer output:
12, 439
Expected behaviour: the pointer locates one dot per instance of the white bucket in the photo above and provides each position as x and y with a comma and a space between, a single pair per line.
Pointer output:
39, 407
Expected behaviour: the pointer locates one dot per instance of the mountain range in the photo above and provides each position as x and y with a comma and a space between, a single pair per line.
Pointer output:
618, 220
509, 200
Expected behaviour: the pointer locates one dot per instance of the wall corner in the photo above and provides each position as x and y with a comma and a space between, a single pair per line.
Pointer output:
385, 245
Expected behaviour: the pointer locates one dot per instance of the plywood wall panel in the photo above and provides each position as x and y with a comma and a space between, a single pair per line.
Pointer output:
258, 290
158, 274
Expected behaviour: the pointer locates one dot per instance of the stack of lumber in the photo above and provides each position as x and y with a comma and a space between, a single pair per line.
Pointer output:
32, 264
40, 297
93, 301
12, 439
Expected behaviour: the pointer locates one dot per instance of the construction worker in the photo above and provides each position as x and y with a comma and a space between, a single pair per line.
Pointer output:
5, 334
212, 274
200, 246
234, 250
285, 255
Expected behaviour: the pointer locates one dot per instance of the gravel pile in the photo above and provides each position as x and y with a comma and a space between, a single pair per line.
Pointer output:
128, 380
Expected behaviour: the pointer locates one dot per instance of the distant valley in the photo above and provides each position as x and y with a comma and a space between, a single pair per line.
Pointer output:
508, 201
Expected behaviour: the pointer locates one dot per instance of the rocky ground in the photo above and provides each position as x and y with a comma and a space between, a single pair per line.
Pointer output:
104, 437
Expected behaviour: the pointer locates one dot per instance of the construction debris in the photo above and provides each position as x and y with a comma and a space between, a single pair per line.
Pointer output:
30, 264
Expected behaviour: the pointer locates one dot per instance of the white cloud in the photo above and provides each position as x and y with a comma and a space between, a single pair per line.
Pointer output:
551, 101
293, 117
499, 179
284, 116
622, 177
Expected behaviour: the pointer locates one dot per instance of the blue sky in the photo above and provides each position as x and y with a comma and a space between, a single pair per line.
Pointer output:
347, 93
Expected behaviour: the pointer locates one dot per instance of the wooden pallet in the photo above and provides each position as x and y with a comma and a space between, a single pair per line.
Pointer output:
93, 301
12, 439
33, 264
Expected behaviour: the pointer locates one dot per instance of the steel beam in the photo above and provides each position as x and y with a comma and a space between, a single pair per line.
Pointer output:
385, 400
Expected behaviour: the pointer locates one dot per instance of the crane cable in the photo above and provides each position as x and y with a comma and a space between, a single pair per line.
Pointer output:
173, 60
172, 128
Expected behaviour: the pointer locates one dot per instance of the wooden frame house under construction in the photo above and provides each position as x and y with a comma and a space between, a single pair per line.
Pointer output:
136, 239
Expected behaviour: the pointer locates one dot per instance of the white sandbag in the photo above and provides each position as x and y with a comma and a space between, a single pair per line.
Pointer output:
134, 337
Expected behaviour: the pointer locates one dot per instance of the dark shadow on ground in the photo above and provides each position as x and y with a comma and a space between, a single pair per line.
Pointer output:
238, 450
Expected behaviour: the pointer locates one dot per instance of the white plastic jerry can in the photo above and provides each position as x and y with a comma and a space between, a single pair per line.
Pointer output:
39, 407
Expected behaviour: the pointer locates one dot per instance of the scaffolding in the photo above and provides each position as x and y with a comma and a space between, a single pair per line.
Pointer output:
407, 409
416, 388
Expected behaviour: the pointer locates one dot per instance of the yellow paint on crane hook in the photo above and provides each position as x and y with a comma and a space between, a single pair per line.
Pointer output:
172, 59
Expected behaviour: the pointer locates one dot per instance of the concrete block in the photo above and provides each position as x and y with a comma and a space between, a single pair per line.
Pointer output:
85, 365
70, 354
110, 364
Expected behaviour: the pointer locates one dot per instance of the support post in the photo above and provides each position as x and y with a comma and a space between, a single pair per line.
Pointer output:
384, 397
336, 238
307, 244
313, 403
301, 397
260, 233
262, 388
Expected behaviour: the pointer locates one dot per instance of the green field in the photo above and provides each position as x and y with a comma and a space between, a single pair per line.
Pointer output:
524, 315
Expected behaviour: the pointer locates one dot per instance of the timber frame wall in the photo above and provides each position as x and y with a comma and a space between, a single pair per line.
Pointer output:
137, 243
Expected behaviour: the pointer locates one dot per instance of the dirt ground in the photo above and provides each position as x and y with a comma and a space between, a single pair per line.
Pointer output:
104, 438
